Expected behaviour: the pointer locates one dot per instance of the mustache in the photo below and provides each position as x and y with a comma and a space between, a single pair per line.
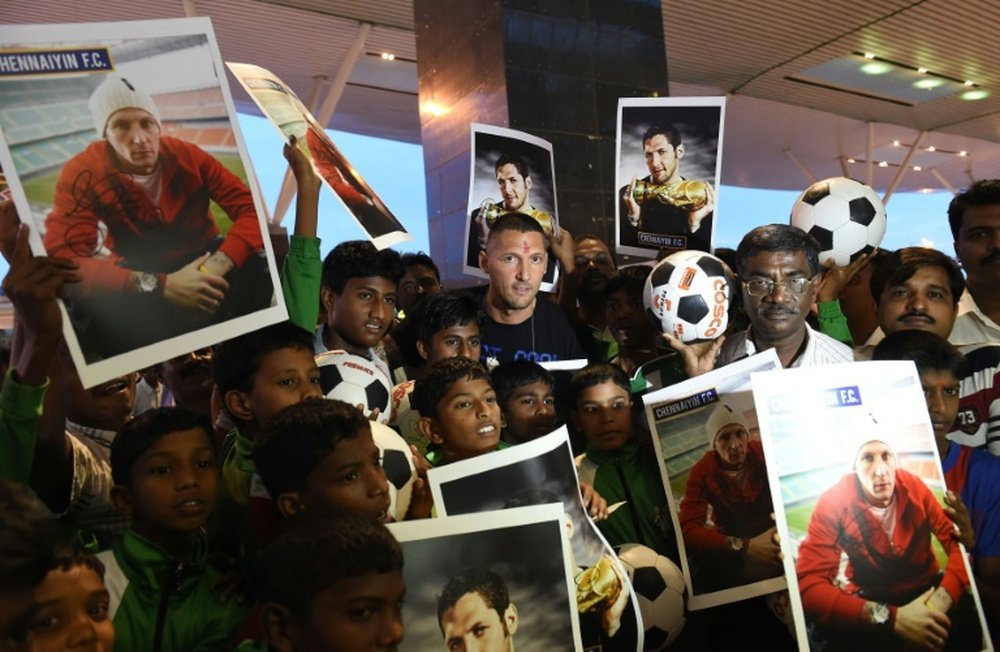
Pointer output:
917, 313
770, 310
992, 257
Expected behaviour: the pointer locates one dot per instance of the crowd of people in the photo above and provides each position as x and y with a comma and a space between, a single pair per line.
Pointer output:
234, 505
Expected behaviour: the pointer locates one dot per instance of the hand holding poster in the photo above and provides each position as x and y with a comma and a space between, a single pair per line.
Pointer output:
869, 552
669, 167
286, 112
714, 470
121, 155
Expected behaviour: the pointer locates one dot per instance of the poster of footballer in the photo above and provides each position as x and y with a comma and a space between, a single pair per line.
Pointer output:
710, 455
871, 557
489, 581
511, 172
668, 169
122, 153
289, 115
542, 471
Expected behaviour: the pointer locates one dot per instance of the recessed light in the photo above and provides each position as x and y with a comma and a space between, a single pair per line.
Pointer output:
876, 68
963, 153
931, 148
869, 55
922, 71
388, 56
977, 94
895, 143
883, 164
851, 160
917, 168
969, 82
928, 84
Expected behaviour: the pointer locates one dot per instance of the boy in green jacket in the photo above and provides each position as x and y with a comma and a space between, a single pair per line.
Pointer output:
166, 480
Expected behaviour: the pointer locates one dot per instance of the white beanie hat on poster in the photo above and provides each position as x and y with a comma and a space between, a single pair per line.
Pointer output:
721, 416
114, 94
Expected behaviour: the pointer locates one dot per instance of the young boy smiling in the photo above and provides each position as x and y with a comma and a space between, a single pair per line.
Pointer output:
458, 410
165, 479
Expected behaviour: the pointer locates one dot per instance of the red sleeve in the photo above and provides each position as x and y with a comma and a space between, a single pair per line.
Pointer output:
818, 562
694, 512
956, 577
234, 197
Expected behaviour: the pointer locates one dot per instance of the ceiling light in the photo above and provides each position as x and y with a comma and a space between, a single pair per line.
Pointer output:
931, 148
963, 153
895, 143
928, 84
388, 56
977, 94
917, 168
851, 160
876, 68
969, 82
883, 164
925, 190
922, 71
434, 108
869, 55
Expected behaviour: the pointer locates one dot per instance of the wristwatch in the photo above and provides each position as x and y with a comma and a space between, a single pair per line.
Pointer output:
736, 544
879, 613
146, 283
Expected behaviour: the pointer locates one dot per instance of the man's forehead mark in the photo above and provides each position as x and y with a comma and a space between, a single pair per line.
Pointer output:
524, 246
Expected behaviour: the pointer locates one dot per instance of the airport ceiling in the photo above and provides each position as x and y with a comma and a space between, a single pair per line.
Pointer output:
798, 104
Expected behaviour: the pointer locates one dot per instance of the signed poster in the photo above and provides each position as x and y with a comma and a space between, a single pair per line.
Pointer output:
121, 149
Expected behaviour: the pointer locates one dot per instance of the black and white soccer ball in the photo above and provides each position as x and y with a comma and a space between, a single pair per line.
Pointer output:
659, 586
397, 460
354, 380
845, 216
687, 295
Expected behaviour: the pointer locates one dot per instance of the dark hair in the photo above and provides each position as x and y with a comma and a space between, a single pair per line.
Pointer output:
236, 361
420, 258
442, 310
360, 259
291, 444
29, 535
516, 161
518, 222
777, 237
928, 351
631, 279
139, 434
981, 193
667, 131
510, 375
595, 374
440, 376
490, 587
896, 267
316, 548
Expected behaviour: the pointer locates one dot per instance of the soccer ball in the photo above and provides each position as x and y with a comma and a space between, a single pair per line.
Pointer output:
659, 586
845, 215
354, 380
687, 295
397, 460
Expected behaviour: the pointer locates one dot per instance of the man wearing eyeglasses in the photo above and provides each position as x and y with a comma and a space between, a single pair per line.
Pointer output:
779, 270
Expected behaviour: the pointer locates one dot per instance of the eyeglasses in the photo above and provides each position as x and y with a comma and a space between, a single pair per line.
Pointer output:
762, 287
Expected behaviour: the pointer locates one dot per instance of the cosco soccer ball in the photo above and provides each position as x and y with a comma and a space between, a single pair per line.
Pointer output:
397, 461
845, 216
354, 380
659, 586
687, 295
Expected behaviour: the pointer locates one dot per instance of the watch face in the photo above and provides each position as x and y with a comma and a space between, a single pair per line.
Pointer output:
147, 282
880, 614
